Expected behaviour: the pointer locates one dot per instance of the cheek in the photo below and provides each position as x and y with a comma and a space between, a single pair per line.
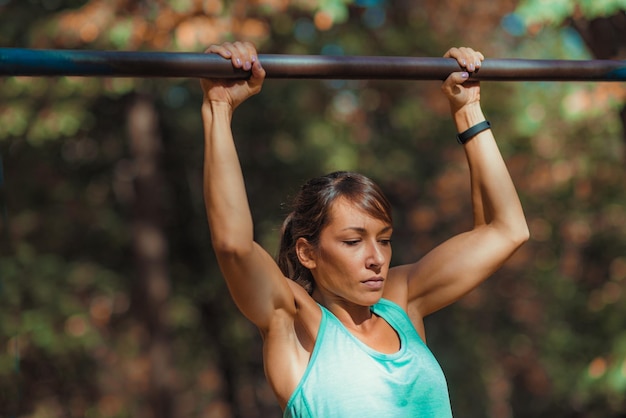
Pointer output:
337, 258
327, 255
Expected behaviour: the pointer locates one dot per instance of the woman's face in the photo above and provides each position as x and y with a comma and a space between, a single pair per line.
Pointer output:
352, 260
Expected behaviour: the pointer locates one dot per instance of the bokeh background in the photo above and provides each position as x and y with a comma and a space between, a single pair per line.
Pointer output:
111, 303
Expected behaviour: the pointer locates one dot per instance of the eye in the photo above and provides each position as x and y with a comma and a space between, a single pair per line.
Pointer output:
385, 241
351, 242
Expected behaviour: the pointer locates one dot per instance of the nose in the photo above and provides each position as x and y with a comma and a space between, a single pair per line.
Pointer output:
375, 257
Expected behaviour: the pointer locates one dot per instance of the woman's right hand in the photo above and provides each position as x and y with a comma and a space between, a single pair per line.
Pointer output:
233, 92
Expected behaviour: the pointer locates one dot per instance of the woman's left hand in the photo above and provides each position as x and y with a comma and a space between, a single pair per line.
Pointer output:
458, 87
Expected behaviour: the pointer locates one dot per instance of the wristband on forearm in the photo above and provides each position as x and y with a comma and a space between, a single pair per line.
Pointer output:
465, 136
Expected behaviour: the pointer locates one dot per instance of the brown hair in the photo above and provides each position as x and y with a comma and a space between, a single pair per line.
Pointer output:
311, 213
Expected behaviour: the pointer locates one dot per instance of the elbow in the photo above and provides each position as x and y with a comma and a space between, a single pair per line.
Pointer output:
522, 236
519, 234
231, 248
514, 233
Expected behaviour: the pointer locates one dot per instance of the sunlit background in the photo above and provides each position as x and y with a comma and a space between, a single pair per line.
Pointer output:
111, 303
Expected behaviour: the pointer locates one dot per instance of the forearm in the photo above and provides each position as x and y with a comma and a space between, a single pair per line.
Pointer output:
226, 202
494, 198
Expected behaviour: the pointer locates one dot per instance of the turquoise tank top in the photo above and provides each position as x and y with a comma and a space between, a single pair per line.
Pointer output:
346, 378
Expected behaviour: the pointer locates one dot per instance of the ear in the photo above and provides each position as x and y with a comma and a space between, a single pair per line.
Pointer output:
305, 253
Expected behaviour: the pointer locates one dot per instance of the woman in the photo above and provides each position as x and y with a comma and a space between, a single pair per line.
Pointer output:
337, 340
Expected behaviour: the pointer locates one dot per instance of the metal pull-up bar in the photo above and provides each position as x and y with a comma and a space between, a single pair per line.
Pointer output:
47, 62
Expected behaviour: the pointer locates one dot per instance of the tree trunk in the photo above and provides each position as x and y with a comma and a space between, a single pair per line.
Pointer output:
151, 250
606, 39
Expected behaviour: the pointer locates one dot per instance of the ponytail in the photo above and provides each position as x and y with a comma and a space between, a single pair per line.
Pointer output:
287, 259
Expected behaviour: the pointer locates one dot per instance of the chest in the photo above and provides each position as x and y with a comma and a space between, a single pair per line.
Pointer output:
381, 337
348, 378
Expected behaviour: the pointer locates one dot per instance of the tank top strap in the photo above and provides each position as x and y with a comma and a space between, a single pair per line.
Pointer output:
397, 318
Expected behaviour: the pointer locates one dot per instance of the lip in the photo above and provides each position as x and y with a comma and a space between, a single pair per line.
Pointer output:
375, 283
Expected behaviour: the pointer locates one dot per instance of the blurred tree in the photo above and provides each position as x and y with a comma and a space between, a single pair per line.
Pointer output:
600, 24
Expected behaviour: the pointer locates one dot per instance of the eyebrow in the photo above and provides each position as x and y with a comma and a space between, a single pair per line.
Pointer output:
362, 230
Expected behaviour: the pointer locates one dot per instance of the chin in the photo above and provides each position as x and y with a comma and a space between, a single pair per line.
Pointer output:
372, 298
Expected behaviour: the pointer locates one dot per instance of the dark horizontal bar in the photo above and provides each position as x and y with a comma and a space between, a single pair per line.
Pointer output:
40, 62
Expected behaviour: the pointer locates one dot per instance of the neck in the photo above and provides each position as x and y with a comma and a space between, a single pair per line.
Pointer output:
352, 315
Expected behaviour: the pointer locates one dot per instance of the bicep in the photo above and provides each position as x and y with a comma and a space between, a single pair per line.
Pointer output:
455, 267
256, 284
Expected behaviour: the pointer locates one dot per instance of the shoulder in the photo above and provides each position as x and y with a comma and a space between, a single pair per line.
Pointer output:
397, 291
396, 287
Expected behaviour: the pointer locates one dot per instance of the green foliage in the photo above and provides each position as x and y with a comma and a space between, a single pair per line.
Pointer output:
555, 12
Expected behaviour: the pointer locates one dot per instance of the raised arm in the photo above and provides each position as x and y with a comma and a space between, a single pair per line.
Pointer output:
256, 284
461, 263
